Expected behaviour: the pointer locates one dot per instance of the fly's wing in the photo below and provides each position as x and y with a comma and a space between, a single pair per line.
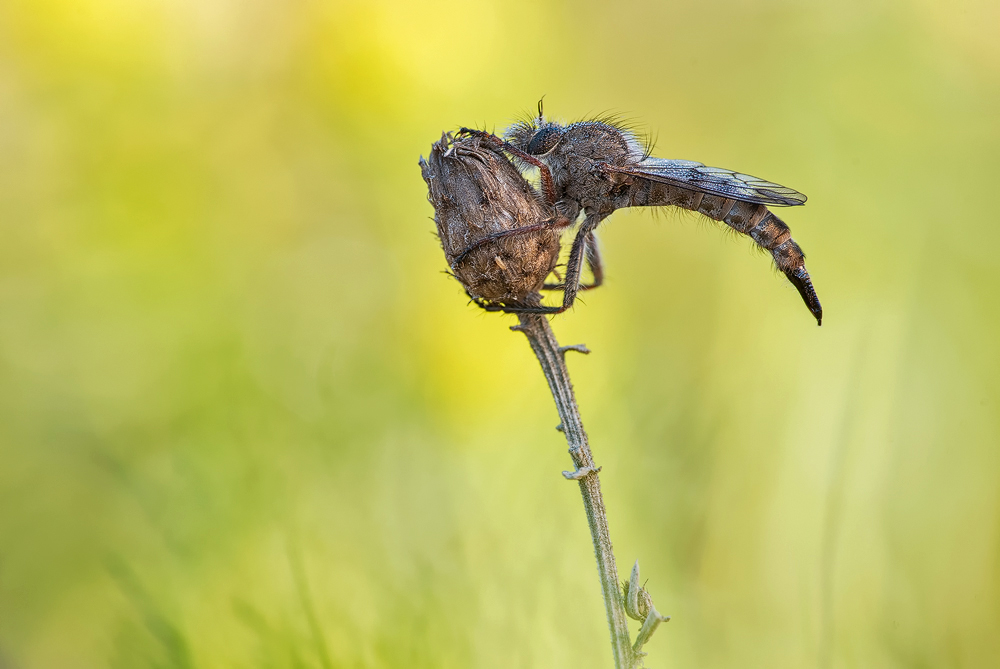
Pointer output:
712, 181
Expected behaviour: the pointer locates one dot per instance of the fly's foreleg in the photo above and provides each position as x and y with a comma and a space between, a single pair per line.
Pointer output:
548, 186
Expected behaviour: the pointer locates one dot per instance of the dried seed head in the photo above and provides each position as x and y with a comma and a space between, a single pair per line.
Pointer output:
477, 193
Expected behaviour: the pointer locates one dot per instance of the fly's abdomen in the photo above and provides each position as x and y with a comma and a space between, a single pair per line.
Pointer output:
646, 193
771, 233
748, 218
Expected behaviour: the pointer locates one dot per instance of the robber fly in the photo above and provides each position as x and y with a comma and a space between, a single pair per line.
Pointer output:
597, 167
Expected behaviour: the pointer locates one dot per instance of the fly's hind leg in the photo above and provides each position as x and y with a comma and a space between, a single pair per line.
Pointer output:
594, 263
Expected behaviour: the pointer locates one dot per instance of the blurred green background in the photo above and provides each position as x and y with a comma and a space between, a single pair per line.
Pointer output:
246, 420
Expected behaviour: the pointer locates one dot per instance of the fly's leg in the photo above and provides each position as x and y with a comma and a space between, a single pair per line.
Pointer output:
573, 268
548, 187
524, 310
556, 223
576, 256
512, 309
594, 263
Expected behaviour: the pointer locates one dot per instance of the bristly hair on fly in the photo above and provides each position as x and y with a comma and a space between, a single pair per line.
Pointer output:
528, 124
627, 125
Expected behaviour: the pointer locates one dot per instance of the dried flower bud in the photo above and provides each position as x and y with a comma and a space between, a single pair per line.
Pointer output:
477, 192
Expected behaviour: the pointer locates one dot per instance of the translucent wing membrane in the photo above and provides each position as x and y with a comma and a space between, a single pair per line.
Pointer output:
713, 181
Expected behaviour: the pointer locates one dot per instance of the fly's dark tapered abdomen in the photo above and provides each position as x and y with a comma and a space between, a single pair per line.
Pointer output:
748, 218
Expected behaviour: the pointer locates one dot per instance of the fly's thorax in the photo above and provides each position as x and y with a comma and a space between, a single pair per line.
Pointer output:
580, 179
575, 164
600, 141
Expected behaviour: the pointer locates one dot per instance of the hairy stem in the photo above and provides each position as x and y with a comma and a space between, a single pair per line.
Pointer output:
551, 356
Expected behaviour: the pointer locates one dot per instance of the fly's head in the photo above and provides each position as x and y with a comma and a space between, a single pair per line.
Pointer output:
535, 136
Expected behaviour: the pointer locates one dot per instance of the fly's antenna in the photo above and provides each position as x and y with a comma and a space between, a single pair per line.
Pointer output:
540, 116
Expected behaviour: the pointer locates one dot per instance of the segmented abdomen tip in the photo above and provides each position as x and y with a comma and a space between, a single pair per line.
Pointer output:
800, 279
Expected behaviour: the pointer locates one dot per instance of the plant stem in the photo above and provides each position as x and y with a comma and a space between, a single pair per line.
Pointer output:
551, 356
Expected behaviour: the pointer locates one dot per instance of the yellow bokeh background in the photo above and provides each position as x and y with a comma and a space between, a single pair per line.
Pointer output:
247, 421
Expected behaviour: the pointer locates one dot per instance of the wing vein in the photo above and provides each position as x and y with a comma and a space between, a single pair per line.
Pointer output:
698, 177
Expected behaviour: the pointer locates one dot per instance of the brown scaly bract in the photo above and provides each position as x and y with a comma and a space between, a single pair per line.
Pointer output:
477, 193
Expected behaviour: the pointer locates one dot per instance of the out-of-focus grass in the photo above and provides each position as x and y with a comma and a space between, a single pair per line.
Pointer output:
245, 420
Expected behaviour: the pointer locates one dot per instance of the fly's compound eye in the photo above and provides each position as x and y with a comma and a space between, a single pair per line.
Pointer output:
543, 141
